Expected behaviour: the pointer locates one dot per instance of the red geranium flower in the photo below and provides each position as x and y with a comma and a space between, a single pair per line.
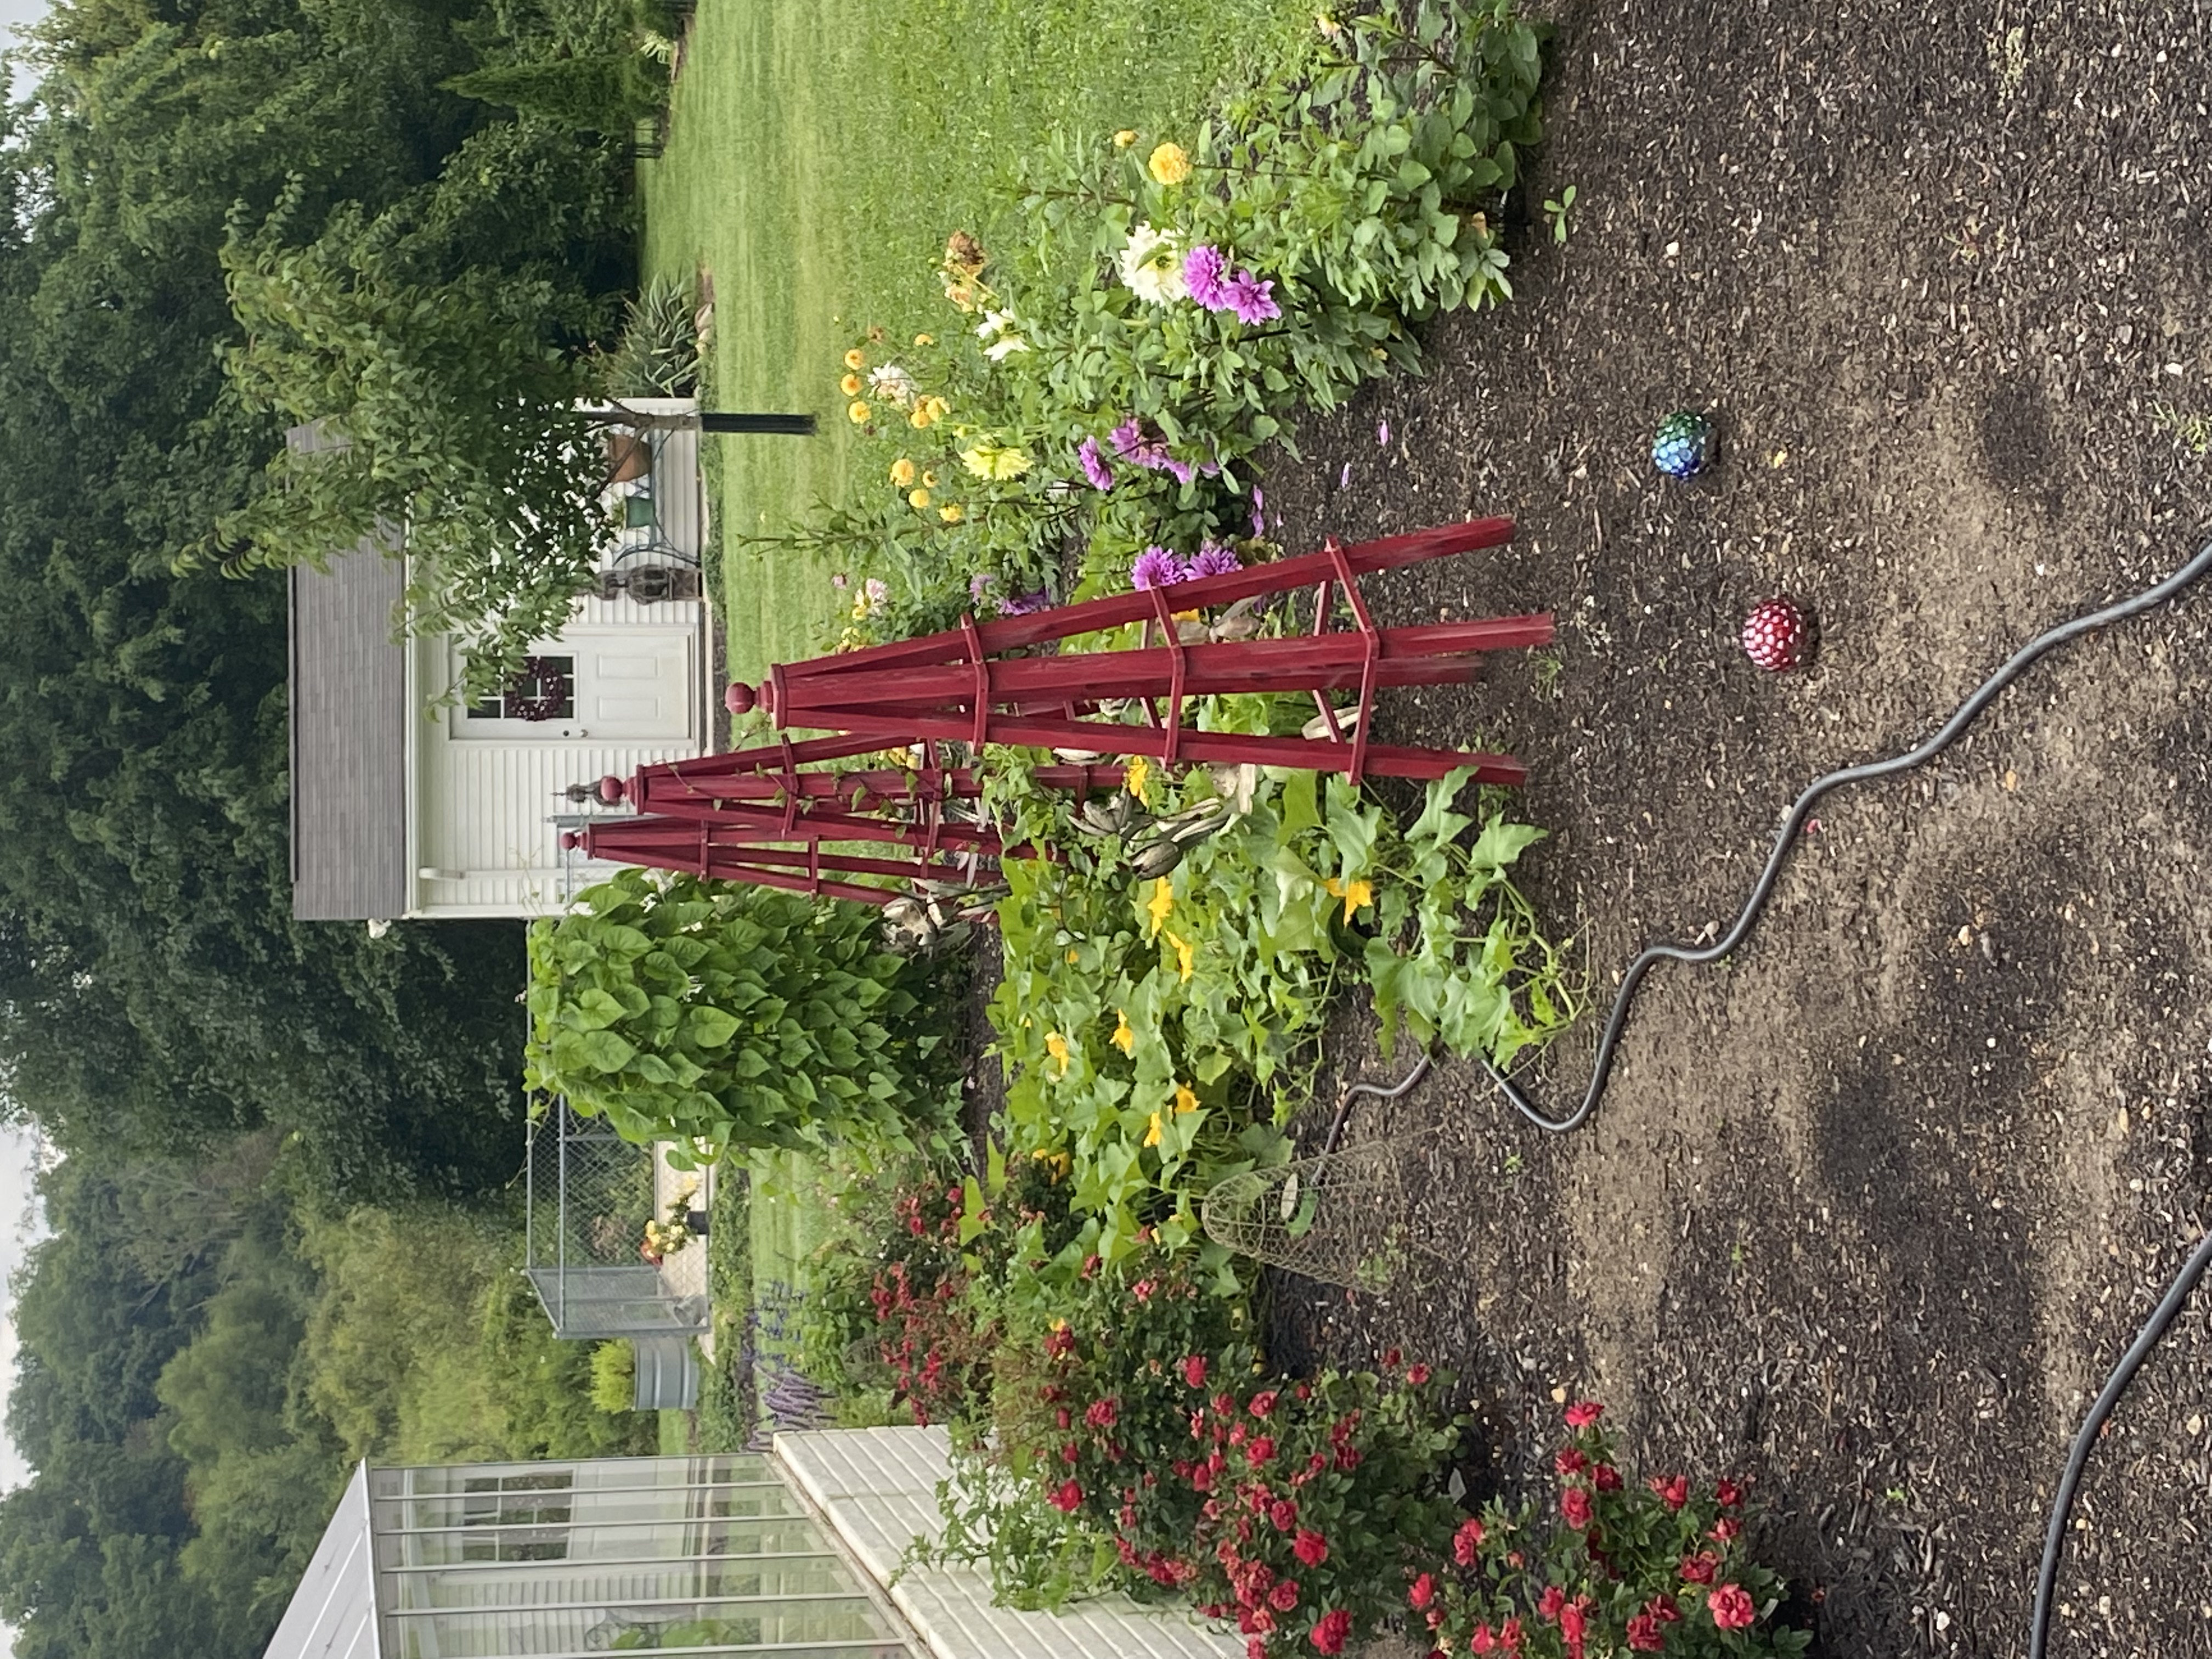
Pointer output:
1673, 1493
1699, 1569
1390, 1357
1572, 1460
1467, 1540
1255, 1647
1328, 1635
1260, 1449
1729, 1494
1584, 1413
1263, 1403
1483, 1641
1224, 1404
1310, 1547
1424, 1591
1575, 1504
1417, 1374
1644, 1635
1283, 1513
1731, 1607
1725, 1529
1570, 1627
1060, 1342
1348, 1457
1193, 1371
1070, 1452
1067, 1498
1605, 1478
1662, 1609
1285, 1595
1509, 1634
1201, 1477
1550, 1601
1102, 1414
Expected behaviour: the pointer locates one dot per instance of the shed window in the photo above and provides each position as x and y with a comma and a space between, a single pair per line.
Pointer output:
543, 688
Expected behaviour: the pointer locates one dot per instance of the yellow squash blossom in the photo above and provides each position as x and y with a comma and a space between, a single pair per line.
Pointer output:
856, 358
1123, 1037
1123, 139
917, 499
920, 418
1161, 905
1153, 1134
1138, 780
1056, 1046
1356, 895
1184, 953
857, 412
929, 481
904, 473
950, 513
850, 385
1169, 164
1185, 1100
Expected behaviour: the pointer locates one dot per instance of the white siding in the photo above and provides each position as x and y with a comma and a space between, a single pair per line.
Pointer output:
483, 841
878, 1489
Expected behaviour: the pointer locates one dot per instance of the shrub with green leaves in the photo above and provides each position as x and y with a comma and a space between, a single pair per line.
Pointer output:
1157, 1031
720, 1015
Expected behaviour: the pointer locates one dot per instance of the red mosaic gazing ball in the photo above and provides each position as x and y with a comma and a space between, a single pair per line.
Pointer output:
1775, 635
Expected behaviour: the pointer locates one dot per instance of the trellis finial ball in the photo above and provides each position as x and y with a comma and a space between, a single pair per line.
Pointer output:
610, 789
738, 698
570, 841
1684, 447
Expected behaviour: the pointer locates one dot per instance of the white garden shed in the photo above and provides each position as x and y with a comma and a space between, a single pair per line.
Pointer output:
459, 812
795, 1552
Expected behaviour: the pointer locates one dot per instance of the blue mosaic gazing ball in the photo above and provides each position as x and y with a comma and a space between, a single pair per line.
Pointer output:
1684, 445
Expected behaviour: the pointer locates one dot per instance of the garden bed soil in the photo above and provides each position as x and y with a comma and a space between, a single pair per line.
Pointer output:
1869, 1210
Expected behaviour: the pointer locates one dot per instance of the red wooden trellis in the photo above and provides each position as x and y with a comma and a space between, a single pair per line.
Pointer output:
735, 815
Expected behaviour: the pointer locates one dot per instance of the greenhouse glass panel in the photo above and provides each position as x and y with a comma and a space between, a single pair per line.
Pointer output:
676, 1555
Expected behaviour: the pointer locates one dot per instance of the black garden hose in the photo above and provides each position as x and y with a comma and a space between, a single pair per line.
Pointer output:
2192, 1270
2054, 1536
1792, 826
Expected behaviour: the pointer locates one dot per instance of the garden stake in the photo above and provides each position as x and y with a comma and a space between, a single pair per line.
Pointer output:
986, 682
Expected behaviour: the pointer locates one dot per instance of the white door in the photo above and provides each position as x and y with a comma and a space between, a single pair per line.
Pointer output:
627, 685
634, 685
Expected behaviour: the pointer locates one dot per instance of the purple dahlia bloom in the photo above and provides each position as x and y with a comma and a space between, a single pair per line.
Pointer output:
1212, 559
1094, 465
1156, 567
1127, 438
1252, 300
1024, 605
978, 583
1203, 270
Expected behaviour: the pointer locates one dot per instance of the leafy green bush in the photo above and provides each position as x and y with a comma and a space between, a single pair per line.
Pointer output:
1155, 1031
719, 1016
614, 1377
658, 353
599, 93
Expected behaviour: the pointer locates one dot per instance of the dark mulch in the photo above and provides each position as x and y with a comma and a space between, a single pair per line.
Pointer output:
1870, 1210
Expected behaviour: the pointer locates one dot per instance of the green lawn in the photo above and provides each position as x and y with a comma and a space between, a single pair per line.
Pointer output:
820, 153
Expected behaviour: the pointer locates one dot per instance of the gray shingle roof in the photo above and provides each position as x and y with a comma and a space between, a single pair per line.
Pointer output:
349, 699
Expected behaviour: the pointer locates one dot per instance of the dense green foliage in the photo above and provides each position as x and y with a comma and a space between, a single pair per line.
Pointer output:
722, 1016
205, 1343
144, 881
203, 1361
